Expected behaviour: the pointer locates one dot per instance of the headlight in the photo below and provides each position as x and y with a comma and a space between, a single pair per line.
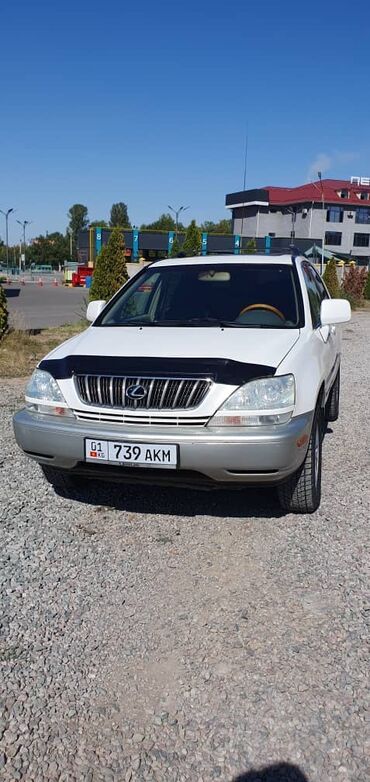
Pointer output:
43, 395
269, 400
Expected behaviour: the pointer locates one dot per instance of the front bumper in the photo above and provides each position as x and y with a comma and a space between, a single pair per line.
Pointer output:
265, 454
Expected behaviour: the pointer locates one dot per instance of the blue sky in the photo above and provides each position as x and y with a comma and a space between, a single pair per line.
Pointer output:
148, 102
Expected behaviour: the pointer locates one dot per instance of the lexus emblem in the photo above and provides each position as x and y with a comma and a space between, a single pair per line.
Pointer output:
136, 392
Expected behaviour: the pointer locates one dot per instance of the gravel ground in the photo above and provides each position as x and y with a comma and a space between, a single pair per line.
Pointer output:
175, 635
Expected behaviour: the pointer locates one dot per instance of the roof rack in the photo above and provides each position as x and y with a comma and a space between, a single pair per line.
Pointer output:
295, 251
290, 250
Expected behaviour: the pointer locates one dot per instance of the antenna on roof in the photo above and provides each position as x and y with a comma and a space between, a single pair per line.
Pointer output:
244, 179
245, 158
295, 251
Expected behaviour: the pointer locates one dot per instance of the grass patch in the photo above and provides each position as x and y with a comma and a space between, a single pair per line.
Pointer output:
20, 351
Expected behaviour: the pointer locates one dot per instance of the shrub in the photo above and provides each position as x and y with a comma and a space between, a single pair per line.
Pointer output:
250, 247
330, 278
367, 286
193, 240
176, 248
3, 312
353, 285
110, 271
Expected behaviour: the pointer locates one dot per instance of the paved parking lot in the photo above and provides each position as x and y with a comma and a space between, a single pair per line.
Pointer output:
34, 307
173, 635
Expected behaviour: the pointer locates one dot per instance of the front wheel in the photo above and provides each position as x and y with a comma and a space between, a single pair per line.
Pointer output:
301, 493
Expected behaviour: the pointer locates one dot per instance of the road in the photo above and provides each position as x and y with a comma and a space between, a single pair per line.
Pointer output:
160, 634
34, 307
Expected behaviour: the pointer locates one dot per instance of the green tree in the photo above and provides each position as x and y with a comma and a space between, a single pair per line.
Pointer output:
193, 240
165, 222
223, 226
110, 271
119, 216
251, 247
98, 224
367, 287
78, 220
3, 312
330, 278
52, 248
177, 247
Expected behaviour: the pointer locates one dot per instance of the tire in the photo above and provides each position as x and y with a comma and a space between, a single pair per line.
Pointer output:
332, 405
62, 481
301, 493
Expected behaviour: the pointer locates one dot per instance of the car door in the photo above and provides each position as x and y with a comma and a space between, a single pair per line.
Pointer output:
327, 338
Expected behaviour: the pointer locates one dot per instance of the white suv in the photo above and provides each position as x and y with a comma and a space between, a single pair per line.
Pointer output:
217, 371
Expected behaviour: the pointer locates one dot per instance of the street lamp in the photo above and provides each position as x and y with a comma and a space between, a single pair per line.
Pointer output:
6, 215
176, 213
23, 224
323, 223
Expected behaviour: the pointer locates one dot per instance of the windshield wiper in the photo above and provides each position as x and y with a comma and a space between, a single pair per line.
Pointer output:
206, 321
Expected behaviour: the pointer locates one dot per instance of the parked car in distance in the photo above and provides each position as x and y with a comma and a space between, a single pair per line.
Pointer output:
214, 371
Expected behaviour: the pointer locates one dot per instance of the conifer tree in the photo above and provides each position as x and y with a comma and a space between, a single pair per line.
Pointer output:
110, 271
193, 240
330, 278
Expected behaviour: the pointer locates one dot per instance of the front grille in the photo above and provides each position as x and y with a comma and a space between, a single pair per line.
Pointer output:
159, 393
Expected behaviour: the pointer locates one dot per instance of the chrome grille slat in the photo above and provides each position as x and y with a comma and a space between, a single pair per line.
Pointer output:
192, 394
87, 388
98, 381
150, 392
178, 392
162, 393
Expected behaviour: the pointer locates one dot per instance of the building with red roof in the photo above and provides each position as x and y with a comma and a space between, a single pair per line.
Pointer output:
334, 210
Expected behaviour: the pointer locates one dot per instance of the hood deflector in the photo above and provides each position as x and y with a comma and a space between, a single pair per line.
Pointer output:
221, 370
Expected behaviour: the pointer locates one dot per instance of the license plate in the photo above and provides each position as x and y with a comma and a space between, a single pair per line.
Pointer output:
131, 454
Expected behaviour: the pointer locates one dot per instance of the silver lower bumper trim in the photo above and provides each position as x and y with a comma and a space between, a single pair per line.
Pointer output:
265, 454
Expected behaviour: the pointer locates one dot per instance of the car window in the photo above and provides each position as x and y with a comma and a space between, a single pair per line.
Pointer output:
262, 295
316, 292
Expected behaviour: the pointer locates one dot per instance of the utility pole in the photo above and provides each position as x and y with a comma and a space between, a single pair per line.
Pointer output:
293, 214
23, 224
6, 215
323, 224
176, 213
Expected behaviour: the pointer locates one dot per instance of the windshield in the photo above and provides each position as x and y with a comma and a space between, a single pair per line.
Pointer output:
233, 295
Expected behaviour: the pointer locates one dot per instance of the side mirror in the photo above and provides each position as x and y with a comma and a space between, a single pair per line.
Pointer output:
334, 311
94, 309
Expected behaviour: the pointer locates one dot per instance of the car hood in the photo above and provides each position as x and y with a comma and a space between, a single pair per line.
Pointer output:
264, 347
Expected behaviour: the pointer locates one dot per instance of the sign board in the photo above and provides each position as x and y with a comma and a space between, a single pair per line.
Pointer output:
360, 180
171, 239
135, 243
204, 243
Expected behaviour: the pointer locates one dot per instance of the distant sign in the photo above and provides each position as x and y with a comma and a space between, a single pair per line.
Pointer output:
360, 180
